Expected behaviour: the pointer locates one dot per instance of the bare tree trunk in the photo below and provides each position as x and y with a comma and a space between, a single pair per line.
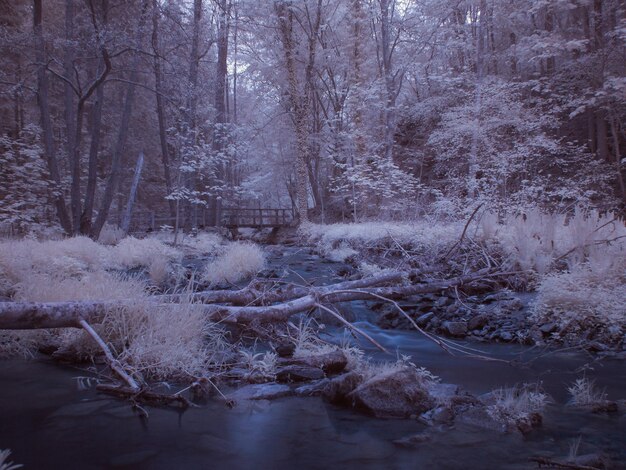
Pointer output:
133, 194
160, 107
299, 101
221, 118
618, 163
114, 177
391, 87
94, 148
46, 123
71, 117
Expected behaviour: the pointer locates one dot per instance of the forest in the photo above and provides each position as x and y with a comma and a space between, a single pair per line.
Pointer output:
355, 233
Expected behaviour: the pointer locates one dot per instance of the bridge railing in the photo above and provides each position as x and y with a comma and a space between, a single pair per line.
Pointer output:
238, 217
144, 220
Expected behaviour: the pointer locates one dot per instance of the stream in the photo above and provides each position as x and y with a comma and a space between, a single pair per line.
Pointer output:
49, 422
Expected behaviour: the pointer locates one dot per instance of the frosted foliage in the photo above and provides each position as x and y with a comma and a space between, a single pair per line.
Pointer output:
584, 392
132, 252
587, 298
5, 463
156, 341
164, 342
111, 235
534, 240
74, 256
237, 262
514, 404
202, 243
419, 236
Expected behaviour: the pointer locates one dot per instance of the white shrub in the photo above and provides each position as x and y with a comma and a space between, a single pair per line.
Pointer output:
156, 341
534, 240
132, 252
201, 243
111, 234
423, 237
238, 261
164, 342
341, 254
587, 298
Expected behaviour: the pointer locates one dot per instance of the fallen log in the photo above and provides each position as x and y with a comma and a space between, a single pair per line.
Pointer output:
331, 294
34, 315
254, 295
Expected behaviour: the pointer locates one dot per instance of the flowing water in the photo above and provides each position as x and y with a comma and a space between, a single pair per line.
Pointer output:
50, 422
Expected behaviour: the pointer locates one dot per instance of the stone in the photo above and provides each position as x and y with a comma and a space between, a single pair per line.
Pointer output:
397, 394
477, 322
498, 296
455, 328
506, 336
439, 415
266, 391
442, 392
297, 373
423, 320
285, 349
597, 346
526, 425
313, 389
331, 363
337, 390
413, 440
590, 461
548, 328
478, 416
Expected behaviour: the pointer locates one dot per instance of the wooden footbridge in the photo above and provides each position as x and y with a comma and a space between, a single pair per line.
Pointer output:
230, 218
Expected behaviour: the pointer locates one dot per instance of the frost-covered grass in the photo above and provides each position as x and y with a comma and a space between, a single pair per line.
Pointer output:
238, 261
261, 366
74, 257
201, 243
340, 241
513, 405
152, 340
585, 299
536, 240
584, 392
165, 342
581, 266
133, 252
5, 464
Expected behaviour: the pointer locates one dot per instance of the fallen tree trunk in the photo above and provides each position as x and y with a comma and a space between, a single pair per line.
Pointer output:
331, 294
255, 295
27, 315
35, 315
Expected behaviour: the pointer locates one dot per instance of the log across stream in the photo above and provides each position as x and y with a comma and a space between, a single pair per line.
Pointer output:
51, 418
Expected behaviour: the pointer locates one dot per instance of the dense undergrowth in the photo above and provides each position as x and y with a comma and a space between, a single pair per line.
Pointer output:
153, 341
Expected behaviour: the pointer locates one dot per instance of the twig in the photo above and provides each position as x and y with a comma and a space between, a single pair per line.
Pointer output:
447, 346
352, 327
553, 463
458, 243
113, 363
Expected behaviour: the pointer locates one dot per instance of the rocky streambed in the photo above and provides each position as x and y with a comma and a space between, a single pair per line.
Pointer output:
316, 411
